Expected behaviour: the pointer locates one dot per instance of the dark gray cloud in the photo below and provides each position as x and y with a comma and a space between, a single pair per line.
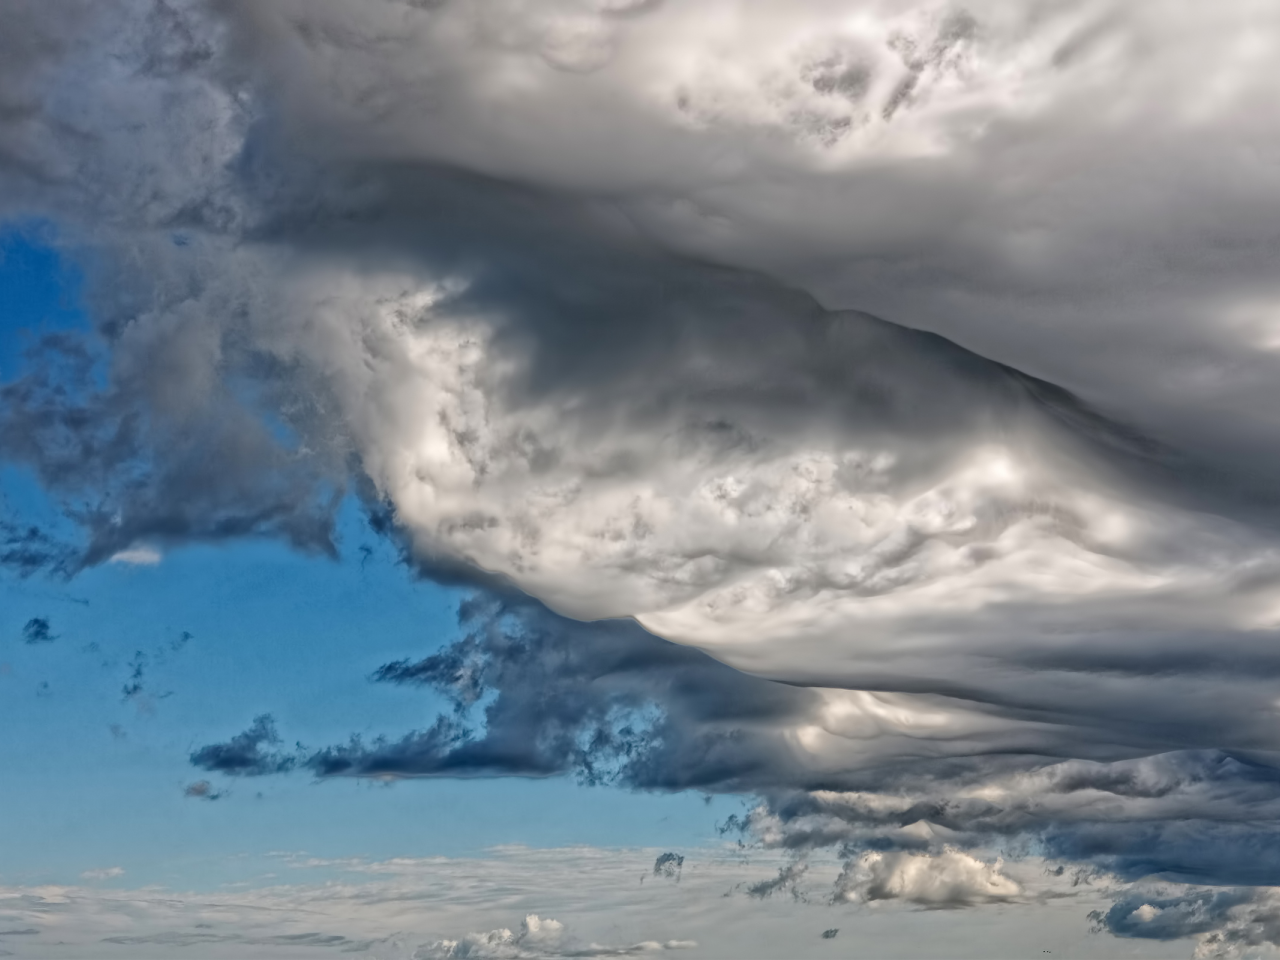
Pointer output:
669, 866
606, 702
26, 549
38, 630
537, 694
1226, 922
247, 754
1152, 917
133, 468
133, 687
1189, 817
787, 881
138, 687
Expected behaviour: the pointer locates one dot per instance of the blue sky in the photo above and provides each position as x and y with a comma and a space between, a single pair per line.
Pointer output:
41, 293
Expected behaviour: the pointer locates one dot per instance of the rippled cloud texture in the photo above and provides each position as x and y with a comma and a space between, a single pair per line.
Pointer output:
868, 406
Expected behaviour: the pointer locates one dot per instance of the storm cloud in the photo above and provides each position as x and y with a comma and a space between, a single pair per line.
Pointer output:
536, 694
862, 407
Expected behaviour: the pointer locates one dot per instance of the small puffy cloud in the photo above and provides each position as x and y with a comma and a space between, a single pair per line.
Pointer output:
948, 879
105, 873
244, 754
37, 630
537, 938
202, 790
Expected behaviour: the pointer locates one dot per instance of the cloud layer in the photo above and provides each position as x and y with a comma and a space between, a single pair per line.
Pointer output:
294, 904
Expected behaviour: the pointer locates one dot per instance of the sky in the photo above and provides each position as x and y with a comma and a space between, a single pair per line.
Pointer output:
548, 478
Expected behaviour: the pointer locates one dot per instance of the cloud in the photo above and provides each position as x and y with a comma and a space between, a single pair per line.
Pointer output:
668, 865
202, 790
37, 630
310, 939
852, 152
1183, 816
1230, 922
137, 557
393, 909
537, 938
133, 688
538, 694
606, 702
140, 471
402, 905
947, 879
788, 880
26, 549
243, 755
105, 873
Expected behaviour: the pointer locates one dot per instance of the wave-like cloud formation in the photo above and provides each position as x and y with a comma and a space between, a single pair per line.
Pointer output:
571, 292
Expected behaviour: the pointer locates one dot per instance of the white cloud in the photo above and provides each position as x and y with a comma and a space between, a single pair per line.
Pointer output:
138, 557
105, 873
537, 937
947, 879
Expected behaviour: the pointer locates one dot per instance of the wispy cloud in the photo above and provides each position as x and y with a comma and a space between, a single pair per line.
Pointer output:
103, 873
138, 557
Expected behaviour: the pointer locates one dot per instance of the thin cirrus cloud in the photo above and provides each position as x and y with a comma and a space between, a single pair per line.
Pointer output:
104, 873
572, 295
